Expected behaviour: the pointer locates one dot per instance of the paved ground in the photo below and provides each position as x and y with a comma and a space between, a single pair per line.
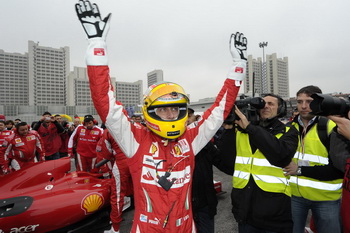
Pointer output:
224, 221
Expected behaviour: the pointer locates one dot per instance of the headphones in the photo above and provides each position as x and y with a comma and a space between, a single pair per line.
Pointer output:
282, 105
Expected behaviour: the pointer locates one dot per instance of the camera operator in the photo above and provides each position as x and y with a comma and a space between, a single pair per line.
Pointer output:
315, 182
261, 193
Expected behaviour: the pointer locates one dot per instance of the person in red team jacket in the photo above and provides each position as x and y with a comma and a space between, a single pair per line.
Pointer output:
85, 138
160, 155
121, 186
19, 149
49, 130
4, 132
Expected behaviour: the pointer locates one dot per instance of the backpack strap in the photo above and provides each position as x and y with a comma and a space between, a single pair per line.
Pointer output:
322, 130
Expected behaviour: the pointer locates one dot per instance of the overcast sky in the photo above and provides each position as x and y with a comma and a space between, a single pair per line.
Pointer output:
188, 39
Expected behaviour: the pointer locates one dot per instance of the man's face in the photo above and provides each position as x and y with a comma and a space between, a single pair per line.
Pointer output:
303, 105
23, 130
58, 119
76, 121
9, 126
191, 118
2, 126
89, 124
137, 119
270, 109
47, 118
168, 113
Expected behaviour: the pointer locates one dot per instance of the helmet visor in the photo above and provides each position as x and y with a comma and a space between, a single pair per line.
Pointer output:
168, 112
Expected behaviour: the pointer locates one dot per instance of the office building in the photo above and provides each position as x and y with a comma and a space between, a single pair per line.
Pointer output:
154, 77
14, 78
277, 76
130, 94
48, 69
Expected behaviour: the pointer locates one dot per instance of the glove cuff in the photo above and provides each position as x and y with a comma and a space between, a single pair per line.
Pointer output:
96, 53
237, 70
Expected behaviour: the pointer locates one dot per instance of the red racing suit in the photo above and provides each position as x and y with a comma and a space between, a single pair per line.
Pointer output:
17, 150
150, 156
4, 134
86, 141
121, 186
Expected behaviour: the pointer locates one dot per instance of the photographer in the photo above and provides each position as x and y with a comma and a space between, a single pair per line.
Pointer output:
261, 193
49, 130
315, 182
340, 142
340, 154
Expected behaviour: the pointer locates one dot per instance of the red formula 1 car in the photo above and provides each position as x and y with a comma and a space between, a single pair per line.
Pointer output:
47, 197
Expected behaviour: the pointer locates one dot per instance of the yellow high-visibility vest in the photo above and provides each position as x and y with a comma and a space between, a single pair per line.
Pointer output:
268, 177
315, 153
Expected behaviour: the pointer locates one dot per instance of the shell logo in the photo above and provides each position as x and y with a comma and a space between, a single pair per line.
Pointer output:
154, 149
177, 150
92, 202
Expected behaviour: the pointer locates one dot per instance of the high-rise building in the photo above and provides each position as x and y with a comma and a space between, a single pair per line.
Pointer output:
129, 94
48, 70
154, 77
14, 78
277, 76
78, 90
253, 79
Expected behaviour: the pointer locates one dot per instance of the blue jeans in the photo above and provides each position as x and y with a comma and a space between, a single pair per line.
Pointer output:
326, 215
246, 228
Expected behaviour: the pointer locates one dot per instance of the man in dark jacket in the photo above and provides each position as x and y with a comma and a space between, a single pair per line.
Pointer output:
261, 193
204, 201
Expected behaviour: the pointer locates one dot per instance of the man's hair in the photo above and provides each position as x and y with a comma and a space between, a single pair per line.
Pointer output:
46, 113
309, 90
279, 98
21, 124
190, 111
57, 115
88, 118
9, 122
17, 119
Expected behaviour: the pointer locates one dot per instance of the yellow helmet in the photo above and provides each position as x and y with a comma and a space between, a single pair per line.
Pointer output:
163, 95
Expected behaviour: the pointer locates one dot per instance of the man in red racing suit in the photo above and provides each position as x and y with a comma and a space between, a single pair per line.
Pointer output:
85, 138
121, 185
161, 155
19, 149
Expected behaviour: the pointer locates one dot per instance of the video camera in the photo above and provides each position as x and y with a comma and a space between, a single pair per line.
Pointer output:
249, 106
326, 105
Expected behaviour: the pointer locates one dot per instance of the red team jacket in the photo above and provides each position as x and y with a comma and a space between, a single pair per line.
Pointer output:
21, 148
51, 138
85, 141
150, 156
4, 134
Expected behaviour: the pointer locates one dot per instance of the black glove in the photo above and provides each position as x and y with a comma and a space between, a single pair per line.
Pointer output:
90, 18
239, 48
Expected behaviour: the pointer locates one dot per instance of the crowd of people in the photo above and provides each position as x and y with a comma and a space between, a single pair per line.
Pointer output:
280, 171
